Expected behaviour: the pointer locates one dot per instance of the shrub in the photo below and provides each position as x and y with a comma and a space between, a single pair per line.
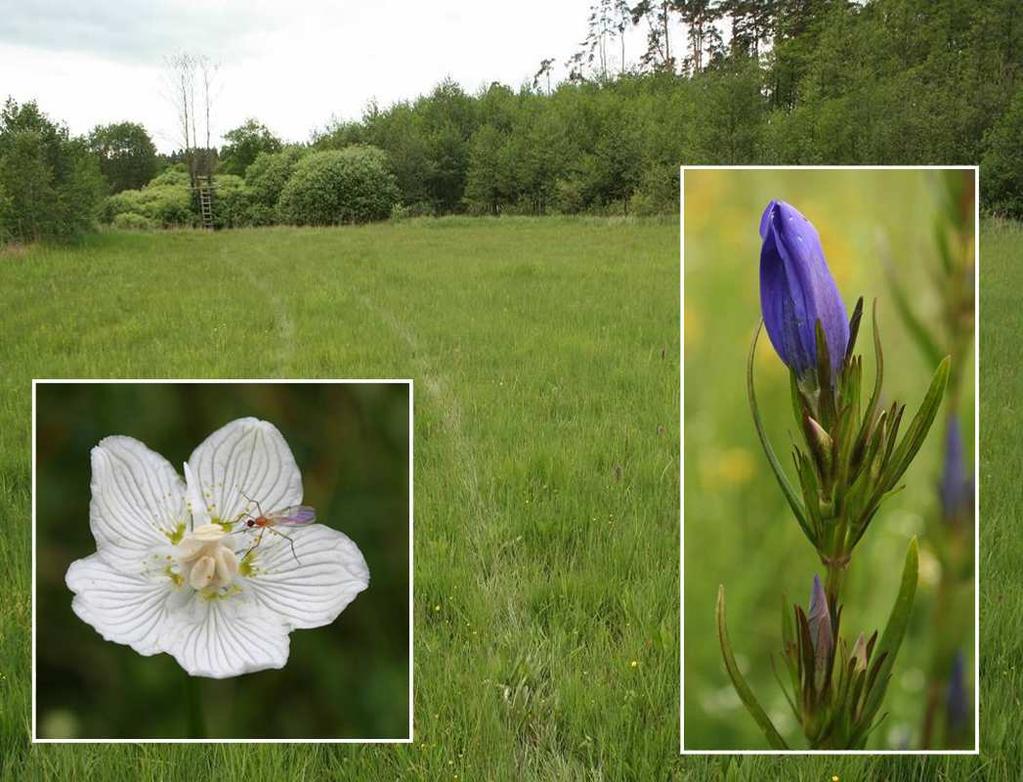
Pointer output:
166, 205
351, 185
243, 144
232, 202
126, 155
51, 184
172, 175
1002, 165
269, 173
133, 221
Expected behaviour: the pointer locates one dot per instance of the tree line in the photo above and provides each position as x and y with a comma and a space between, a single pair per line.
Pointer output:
729, 82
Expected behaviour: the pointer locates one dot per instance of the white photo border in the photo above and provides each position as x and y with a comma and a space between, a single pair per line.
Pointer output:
34, 738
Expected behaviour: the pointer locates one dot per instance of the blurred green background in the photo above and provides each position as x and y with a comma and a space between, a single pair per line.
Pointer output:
738, 529
347, 680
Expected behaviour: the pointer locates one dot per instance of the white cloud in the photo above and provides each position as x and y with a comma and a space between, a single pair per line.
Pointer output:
292, 65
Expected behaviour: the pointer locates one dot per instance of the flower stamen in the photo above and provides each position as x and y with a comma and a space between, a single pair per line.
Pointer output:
205, 562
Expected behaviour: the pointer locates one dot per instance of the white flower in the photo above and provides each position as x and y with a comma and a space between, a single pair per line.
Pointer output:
179, 569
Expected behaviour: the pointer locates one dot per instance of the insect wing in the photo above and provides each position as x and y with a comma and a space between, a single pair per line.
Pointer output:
295, 516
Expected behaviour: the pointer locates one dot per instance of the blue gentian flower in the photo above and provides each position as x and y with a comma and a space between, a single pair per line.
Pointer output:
797, 290
957, 705
956, 486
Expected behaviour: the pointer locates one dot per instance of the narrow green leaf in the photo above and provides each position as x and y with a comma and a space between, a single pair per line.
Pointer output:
826, 400
854, 329
895, 630
784, 690
916, 328
919, 427
745, 693
779, 473
791, 652
811, 495
875, 396
788, 635
799, 408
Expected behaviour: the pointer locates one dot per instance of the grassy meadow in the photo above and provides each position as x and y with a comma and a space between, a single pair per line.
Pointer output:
545, 355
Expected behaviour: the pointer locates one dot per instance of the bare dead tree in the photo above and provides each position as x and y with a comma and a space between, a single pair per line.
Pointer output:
546, 65
192, 78
208, 74
179, 76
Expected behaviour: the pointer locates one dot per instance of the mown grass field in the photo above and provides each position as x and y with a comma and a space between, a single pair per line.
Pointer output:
545, 355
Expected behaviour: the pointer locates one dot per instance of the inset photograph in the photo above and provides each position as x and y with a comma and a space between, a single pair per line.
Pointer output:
829, 483
222, 560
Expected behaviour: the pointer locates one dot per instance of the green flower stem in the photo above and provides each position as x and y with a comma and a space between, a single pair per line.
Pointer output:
196, 723
833, 583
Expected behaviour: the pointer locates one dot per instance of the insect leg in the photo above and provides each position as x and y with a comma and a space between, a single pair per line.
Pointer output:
259, 539
256, 502
287, 538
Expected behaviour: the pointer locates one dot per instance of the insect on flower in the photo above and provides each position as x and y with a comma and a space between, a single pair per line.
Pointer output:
293, 516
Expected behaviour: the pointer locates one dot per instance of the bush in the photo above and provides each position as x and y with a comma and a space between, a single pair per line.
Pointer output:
133, 221
232, 203
402, 211
50, 183
1002, 166
243, 144
172, 175
166, 205
352, 185
269, 173
126, 155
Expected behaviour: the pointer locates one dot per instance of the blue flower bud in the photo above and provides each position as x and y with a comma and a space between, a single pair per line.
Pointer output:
956, 701
956, 486
797, 290
819, 620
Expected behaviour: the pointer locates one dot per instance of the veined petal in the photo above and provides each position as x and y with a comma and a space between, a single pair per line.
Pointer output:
310, 585
223, 637
138, 502
200, 513
241, 464
125, 609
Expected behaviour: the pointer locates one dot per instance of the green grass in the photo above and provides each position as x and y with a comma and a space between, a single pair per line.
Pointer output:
545, 359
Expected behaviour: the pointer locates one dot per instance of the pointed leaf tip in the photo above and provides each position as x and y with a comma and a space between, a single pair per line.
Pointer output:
743, 690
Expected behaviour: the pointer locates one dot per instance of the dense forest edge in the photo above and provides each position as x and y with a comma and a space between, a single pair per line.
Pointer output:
792, 82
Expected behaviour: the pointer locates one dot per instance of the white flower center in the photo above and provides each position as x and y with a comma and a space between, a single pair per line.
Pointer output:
205, 562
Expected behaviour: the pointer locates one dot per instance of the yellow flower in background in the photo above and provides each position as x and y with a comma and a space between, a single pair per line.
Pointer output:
693, 326
731, 467
767, 362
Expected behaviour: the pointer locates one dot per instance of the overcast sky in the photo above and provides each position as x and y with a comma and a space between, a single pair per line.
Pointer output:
293, 64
